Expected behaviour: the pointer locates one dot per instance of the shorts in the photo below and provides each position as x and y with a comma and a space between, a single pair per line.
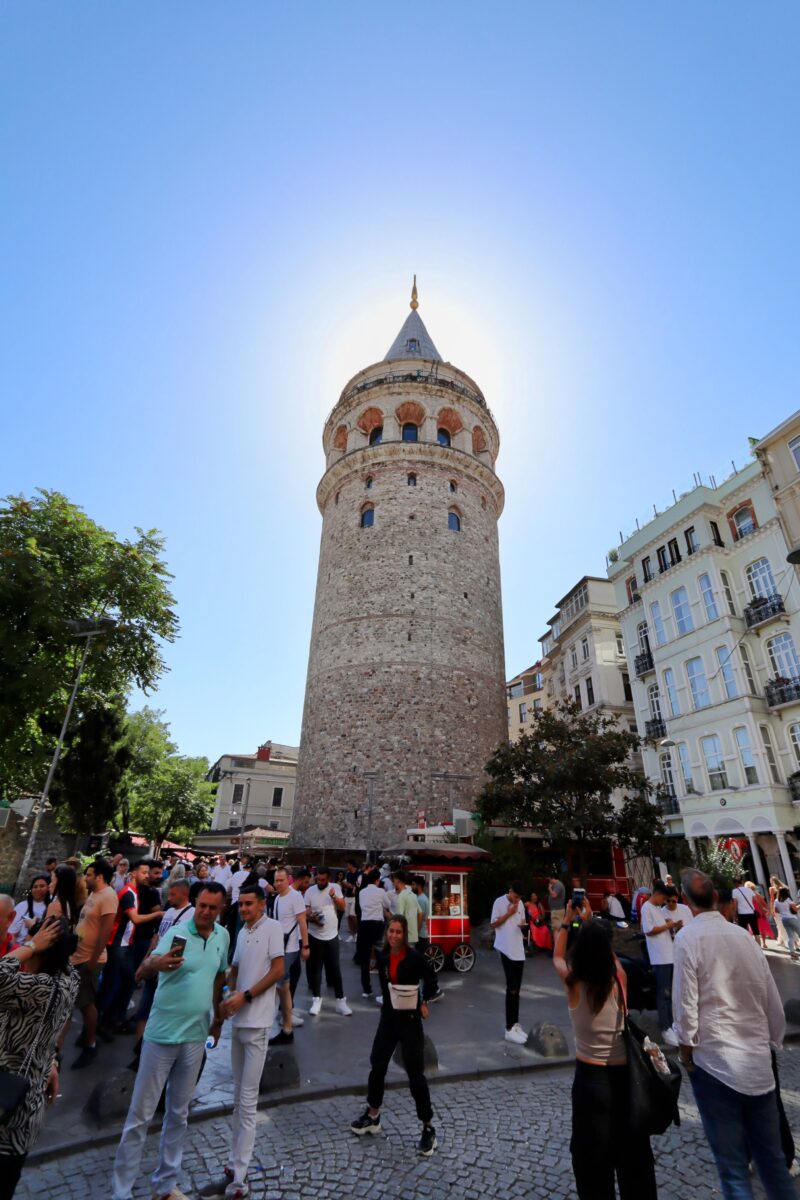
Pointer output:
350, 906
87, 989
288, 962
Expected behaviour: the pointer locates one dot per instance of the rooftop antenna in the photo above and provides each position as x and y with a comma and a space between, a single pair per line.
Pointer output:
674, 497
733, 464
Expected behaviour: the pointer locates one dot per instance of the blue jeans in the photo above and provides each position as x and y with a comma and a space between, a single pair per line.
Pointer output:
663, 974
733, 1123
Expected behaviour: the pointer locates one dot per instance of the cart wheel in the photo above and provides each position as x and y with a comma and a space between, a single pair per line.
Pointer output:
463, 957
435, 955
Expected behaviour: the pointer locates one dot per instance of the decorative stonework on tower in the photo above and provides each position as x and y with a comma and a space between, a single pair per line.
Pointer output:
405, 695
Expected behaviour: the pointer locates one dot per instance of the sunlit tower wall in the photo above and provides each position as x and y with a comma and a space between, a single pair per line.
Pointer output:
405, 693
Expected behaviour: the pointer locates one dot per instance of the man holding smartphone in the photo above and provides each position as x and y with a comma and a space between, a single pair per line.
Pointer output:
508, 921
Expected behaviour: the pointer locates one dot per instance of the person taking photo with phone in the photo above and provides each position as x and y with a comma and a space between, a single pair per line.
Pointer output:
508, 920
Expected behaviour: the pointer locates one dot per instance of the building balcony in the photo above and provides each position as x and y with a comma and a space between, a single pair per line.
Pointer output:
781, 691
794, 787
643, 663
668, 803
655, 728
763, 609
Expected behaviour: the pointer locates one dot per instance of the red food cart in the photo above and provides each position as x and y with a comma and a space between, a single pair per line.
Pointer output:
446, 867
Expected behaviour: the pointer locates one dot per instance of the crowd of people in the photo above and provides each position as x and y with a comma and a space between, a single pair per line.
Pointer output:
226, 941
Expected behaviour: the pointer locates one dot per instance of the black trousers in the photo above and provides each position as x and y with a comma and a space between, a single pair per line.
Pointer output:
405, 1028
370, 934
748, 921
324, 953
513, 971
10, 1170
602, 1146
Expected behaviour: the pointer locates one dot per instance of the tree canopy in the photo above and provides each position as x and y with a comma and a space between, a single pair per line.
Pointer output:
57, 565
559, 777
89, 782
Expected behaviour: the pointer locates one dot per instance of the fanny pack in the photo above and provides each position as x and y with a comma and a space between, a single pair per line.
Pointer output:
404, 996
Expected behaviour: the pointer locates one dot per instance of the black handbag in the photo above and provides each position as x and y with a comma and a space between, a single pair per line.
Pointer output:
653, 1095
15, 1085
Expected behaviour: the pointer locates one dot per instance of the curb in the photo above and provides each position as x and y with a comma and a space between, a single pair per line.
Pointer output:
295, 1096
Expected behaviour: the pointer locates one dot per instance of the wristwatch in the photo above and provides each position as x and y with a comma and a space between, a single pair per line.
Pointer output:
248, 995
29, 944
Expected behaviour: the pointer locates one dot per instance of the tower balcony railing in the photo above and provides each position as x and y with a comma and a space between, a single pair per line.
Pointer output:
668, 803
763, 608
656, 728
780, 691
643, 663
425, 378
794, 787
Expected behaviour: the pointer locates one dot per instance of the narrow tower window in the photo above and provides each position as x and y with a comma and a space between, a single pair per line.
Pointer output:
411, 480
410, 432
454, 521
453, 485
376, 436
368, 482
368, 518
443, 437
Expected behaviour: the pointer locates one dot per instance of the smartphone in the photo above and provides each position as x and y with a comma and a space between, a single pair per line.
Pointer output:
578, 897
178, 945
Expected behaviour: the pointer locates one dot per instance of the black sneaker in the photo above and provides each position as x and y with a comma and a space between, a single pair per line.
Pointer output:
428, 1142
80, 1040
87, 1056
216, 1189
282, 1038
366, 1124
437, 995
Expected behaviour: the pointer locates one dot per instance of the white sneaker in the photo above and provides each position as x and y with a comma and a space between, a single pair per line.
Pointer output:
379, 999
670, 1037
341, 1007
316, 1005
794, 1169
297, 1021
517, 1035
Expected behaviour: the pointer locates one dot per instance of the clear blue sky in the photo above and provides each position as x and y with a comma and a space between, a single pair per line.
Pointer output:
210, 218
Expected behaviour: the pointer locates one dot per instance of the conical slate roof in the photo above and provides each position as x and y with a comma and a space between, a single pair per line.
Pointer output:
413, 341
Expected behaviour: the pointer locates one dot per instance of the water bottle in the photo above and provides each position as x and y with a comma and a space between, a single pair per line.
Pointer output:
210, 1043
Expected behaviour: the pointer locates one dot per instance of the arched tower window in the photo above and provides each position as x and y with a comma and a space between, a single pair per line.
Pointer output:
478, 440
368, 482
340, 438
410, 432
443, 437
411, 480
367, 517
371, 420
454, 521
453, 485
376, 436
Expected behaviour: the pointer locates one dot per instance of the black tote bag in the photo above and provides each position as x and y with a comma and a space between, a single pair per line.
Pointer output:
653, 1096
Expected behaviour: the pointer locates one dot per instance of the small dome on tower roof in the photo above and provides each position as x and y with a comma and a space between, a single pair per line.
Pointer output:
413, 340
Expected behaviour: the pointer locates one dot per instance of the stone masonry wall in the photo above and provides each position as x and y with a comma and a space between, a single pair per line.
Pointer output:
50, 841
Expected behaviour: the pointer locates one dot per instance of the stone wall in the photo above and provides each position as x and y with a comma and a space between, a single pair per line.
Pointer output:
49, 841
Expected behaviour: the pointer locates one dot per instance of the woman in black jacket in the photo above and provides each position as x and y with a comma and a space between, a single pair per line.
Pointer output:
400, 969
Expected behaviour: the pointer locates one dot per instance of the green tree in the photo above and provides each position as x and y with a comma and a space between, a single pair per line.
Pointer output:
559, 776
87, 788
56, 564
151, 747
717, 862
174, 801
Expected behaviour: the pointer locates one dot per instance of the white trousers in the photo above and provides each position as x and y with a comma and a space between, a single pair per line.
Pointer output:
178, 1067
248, 1052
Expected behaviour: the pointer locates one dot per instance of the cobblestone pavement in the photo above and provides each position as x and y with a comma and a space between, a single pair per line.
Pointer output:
504, 1138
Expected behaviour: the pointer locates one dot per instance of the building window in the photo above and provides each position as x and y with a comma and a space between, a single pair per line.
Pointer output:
794, 450
411, 480
376, 436
368, 518
794, 732
620, 645
715, 535
585, 649
573, 656
631, 589
627, 691
698, 685
658, 623
443, 437
454, 487
238, 795
663, 560
674, 551
277, 797
412, 345
681, 611
654, 701
748, 670
368, 482
410, 432
766, 740
516, 689
686, 769
746, 755
707, 592
577, 694
783, 657
589, 691
672, 692
647, 569
742, 521
523, 713
643, 637
692, 544
667, 778
537, 704
726, 671
454, 521
715, 766
726, 587
759, 578
274, 825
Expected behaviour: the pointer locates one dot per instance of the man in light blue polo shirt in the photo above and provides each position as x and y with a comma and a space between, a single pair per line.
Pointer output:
189, 986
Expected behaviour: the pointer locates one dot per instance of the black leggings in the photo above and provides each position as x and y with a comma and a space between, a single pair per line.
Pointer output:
324, 953
405, 1028
10, 1170
369, 934
602, 1146
513, 971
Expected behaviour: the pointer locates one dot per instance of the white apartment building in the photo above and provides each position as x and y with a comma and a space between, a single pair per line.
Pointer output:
255, 789
524, 695
710, 624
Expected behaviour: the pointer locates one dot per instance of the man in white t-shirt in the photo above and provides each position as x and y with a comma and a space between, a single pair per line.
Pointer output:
323, 900
256, 968
221, 871
679, 913
508, 921
615, 909
289, 911
657, 926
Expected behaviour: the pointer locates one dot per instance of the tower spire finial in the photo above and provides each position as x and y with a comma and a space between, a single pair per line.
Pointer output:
414, 301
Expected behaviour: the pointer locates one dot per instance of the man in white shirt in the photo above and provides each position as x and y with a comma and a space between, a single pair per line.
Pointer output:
375, 909
657, 927
615, 909
746, 915
680, 914
323, 900
256, 968
727, 1012
508, 921
221, 872
289, 911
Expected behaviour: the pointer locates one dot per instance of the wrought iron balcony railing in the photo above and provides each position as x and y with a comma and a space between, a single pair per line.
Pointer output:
643, 663
782, 691
763, 608
655, 728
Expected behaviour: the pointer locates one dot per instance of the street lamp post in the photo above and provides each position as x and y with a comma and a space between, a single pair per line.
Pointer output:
88, 630
244, 813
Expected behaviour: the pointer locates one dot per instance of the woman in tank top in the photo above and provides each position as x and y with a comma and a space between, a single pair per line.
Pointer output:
602, 1146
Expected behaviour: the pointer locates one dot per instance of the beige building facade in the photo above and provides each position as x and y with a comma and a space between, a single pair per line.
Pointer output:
524, 695
255, 790
779, 455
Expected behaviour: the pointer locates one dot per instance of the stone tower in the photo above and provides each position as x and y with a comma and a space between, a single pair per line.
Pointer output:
405, 695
